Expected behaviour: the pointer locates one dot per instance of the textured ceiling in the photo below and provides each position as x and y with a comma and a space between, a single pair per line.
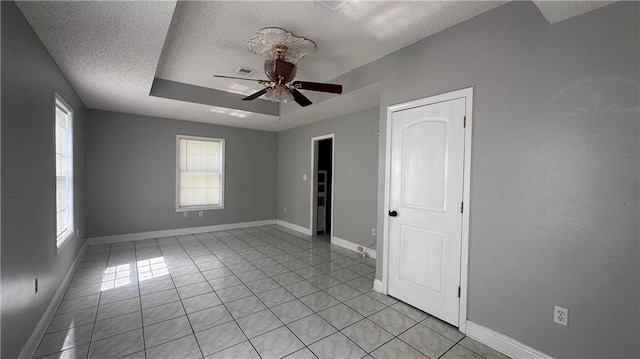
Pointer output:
111, 51
209, 38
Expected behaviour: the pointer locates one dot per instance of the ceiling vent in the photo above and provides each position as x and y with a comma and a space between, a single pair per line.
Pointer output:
333, 5
243, 71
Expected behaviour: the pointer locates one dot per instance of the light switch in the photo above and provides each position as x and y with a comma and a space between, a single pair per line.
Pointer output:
304, 177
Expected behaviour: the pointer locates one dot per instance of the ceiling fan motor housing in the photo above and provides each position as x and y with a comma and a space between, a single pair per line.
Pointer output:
280, 71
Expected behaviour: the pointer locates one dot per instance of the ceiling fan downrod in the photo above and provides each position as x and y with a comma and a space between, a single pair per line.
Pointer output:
281, 50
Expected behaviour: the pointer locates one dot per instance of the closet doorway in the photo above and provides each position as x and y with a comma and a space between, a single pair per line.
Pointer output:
322, 165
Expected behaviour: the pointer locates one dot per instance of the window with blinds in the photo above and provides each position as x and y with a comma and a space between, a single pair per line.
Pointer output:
64, 171
200, 173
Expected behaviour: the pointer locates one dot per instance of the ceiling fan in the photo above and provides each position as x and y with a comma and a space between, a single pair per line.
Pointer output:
281, 68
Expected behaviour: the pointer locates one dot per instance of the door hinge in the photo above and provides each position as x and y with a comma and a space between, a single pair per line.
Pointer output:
464, 122
461, 207
459, 292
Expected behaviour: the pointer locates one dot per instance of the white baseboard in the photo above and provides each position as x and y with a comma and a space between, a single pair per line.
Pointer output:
295, 227
30, 347
378, 286
175, 232
502, 343
352, 246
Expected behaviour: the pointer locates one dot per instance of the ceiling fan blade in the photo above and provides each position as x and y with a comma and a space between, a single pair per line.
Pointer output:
317, 86
301, 99
239, 78
284, 69
255, 95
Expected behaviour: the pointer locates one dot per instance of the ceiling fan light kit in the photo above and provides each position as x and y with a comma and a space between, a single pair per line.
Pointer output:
279, 93
283, 50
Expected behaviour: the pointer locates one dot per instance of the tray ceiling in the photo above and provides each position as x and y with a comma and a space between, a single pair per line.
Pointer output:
112, 51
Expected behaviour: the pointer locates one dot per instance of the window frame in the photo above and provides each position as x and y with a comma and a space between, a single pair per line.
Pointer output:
64, 238
222, 173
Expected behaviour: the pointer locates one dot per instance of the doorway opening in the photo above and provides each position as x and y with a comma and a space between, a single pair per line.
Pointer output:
322, 186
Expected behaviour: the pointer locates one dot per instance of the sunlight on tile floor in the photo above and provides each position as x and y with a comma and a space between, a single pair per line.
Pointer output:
262, 292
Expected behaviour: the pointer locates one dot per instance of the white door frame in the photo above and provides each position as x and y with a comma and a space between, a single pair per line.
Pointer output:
467, 94
312, 201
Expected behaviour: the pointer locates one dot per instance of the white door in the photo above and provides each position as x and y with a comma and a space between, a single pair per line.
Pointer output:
427, 162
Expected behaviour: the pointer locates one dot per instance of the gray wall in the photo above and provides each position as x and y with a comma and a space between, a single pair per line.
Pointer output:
554, 178
355, 179
131, 174
29, 78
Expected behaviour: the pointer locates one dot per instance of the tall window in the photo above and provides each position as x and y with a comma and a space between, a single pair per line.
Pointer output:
200, 173
64, 171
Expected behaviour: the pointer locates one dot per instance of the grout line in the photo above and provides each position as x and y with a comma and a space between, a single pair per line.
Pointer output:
221, 303
469, 349
193, 332
260, 245
135, 256
274, 314
47, 332
267, 308
418, 323
295, 298
98, 307
324, 290
314, 312
453, 346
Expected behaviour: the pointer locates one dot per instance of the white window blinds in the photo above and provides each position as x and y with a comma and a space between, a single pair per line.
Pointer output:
200, 173
64, 172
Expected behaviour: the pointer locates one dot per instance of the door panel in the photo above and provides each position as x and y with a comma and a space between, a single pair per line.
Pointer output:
427, 161
424, 154
421, 258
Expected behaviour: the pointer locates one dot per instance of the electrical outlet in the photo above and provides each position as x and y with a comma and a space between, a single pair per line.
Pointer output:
285, 209
373, 232
200, 214
36, 285
360, 248
184, 214
561, 315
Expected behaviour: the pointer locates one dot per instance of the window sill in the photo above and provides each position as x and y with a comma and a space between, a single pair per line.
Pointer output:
64, 242
198, 208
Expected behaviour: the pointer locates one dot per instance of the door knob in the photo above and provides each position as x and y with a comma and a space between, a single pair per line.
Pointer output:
393, 213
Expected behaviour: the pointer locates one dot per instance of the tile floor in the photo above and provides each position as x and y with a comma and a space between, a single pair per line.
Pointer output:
263, 292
